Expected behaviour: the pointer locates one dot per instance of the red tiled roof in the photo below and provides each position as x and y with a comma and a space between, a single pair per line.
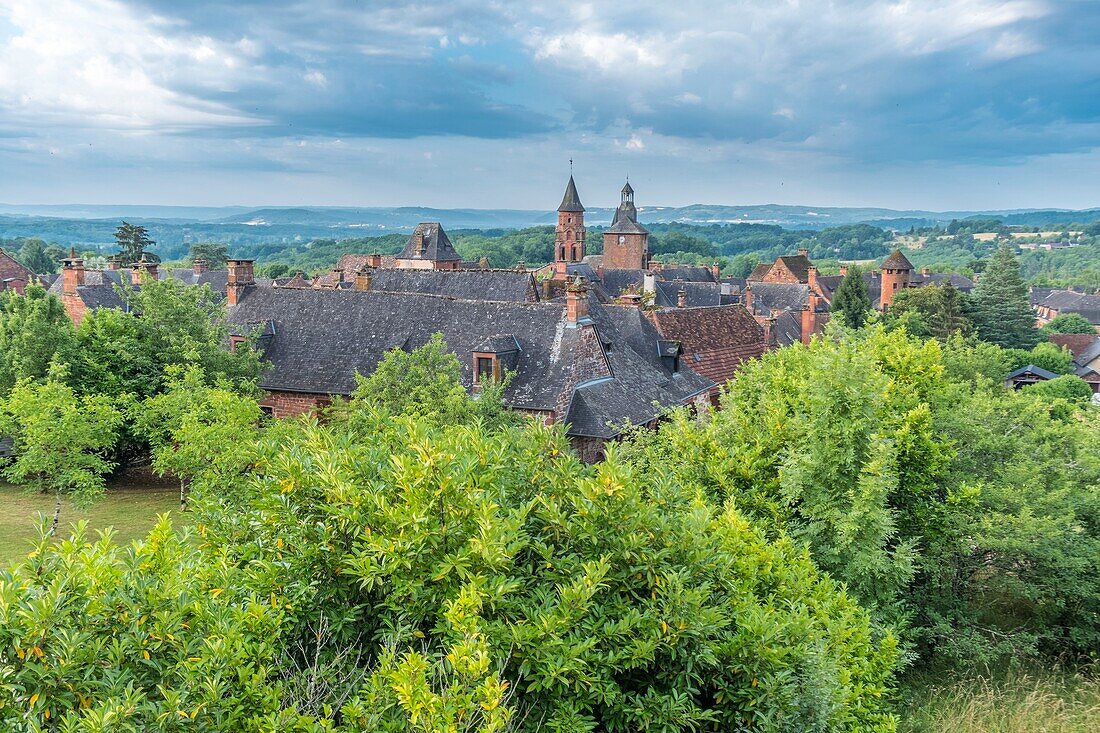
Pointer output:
715, 340
1075, 342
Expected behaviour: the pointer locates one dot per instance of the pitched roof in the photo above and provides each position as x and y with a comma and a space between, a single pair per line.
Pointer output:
571, 201
1089, 353
897, 261
324, 337
436, 245
1032, 370
787, 328
1077, 343
714, 340
11, 269
759, 271
216, 279
799, 265
502, 285
1070, 301
695, 293
767, 297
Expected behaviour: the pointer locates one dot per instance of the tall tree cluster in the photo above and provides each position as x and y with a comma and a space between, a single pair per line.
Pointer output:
1002, 312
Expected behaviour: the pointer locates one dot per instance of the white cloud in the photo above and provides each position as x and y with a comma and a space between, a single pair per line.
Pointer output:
635, 143
97, 63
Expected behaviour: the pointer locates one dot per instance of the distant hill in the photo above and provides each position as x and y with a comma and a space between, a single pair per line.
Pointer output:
265, 230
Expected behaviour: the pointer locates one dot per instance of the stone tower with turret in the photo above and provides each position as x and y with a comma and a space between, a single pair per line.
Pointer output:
569, 233
895, 277
626, 242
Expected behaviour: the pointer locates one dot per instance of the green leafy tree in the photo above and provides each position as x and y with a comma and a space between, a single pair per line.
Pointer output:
1068, 387
1069, 323
1002, 312
1049, 356
426, 383
133, 242
215, 255
60, 439
34, 332
930, 312
36, 257
189, 424
851, 299
273, 270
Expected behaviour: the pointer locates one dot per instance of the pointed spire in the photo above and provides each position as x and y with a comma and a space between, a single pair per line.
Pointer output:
628, 189
571, 201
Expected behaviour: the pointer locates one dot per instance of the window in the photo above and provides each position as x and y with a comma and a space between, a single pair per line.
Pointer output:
484, 369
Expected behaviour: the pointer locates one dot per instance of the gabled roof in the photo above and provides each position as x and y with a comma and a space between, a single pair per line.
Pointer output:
715, 341
571, 201
436, 245
1077, 343
1090, 353
799, 265
503, 285
324, 337
216, 279
767, 297
696, 294
897, 261
1032, 370
10, 269
759, 271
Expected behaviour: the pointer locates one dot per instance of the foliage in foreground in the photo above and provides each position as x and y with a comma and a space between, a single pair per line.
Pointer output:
963, 515
382, 571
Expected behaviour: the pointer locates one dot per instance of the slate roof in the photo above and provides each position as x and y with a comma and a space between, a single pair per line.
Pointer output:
767, 297
216, 279
10, 269
787, 328
759, 271
1089, 354
101, 288
1077, 343
715, 340
500, 285
1031, 370
959, 282
437, 246
1070, 301
571, 201
897, 261
828, 284
799, 265
626, 217
688, 273
697, 294
324, 337
617, 281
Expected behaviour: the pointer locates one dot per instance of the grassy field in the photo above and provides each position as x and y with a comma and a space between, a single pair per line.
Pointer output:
1016, 703
129, 508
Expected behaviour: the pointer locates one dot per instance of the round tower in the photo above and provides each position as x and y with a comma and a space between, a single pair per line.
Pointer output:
895, 277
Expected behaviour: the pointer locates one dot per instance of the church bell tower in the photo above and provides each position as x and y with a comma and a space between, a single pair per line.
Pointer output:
570, 231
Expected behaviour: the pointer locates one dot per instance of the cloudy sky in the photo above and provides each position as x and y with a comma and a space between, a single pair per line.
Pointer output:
939, 104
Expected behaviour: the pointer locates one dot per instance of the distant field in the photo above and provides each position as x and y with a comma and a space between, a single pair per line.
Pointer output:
130, 509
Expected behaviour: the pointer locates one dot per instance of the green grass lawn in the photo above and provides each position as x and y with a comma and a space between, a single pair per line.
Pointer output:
130, 508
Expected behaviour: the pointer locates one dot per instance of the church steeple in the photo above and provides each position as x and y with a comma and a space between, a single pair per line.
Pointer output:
569, 233
571, 202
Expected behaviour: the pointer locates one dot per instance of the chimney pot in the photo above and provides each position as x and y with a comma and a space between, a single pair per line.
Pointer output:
199, 266
364, 279
239, 277
681, 298
843, 270
804, 252
72, 273
576, 301
374, 260
748, 298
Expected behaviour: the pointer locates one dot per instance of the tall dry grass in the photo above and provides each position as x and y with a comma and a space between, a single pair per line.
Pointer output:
1016, 703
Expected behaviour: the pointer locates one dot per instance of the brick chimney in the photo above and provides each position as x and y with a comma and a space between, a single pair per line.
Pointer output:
337, 277
72, 273
925, 271
138, 268
681, 298
769, 331
521, 266
113, 262
809, 318
199, 266
240, 278
374, 260
748, 298
576, 302
716, 270
418, 243
812, 278
843, 270
363, 279
804, 252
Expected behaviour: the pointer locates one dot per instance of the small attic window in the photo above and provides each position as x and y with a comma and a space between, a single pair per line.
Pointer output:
486, 368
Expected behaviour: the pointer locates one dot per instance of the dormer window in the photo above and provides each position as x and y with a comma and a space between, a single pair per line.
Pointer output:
486, 368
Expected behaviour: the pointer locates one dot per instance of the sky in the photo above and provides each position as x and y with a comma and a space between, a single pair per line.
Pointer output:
923, 104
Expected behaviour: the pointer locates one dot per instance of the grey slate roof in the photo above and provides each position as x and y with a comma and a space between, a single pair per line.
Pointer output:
1089, 354
324, 337
437, 246
687, 273
767, 297
697, 294
571, 201
787, 328
216, 279
1070, 301
504, 285
1032, 370
897, 261
101, 288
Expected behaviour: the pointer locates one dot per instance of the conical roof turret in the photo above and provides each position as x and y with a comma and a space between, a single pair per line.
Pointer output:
572, 200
